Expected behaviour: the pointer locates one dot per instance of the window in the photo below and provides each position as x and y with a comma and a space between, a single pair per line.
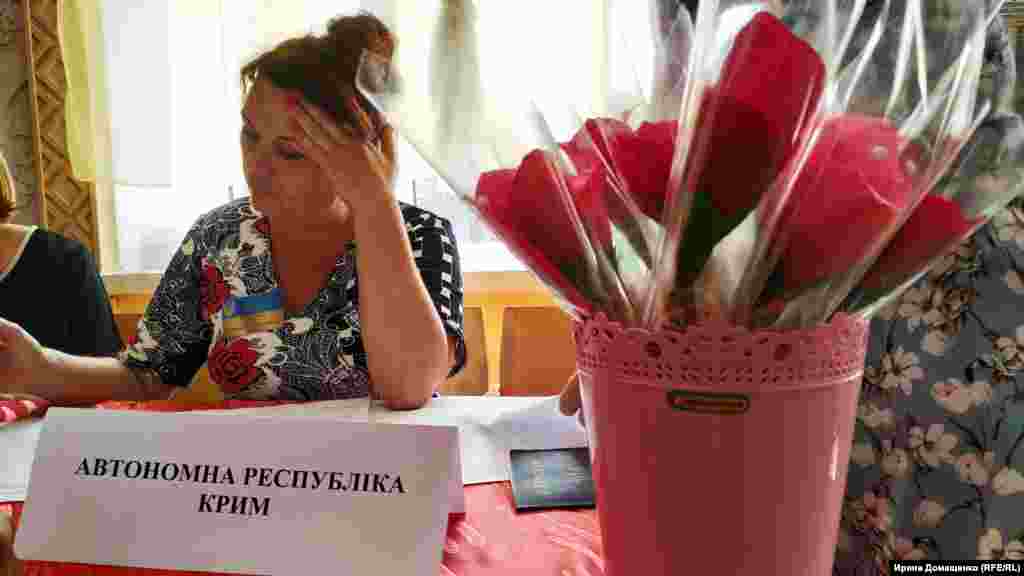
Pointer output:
187, 141
170, 110
172, 142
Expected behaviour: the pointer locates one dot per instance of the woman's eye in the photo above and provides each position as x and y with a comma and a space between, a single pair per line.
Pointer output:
249, 135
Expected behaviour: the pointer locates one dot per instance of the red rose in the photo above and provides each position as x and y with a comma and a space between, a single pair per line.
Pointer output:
534, 225
749, 125
531, 200
751, 122
213, 290
233, 367
935, 227
584, 150
646, 164
588, 191
528, 208
854, 185
640, 160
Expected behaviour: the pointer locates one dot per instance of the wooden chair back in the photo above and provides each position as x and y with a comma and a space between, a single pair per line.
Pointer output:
472, 380
537, 351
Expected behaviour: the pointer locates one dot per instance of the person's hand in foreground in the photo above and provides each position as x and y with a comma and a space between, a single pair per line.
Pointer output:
569, 401
23, 362
9, 565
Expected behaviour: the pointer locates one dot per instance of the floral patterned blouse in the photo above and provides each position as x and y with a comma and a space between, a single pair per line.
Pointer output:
937, 467
219, 302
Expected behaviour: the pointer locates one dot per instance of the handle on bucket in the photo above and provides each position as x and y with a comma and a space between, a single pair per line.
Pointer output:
708, 402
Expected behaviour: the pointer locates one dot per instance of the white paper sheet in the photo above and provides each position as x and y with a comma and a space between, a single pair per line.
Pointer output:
535, 424
17, 446
490, 426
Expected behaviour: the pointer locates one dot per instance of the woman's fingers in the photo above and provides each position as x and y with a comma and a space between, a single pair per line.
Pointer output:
387, 144
370, 134
7, 327
9, 565
317, 128
569, 401
306, 133
323, 128
318, 133
9, 332
332, 145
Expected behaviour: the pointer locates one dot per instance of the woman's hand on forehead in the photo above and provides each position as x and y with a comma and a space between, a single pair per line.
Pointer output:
359, 160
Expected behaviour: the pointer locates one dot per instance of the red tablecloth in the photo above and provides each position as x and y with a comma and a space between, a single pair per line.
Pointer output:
15, 407
490, 539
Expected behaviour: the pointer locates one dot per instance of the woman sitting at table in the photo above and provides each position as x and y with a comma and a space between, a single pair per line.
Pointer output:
49, 285
319, 286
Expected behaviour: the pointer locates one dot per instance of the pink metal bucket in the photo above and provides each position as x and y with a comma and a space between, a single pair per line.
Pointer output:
718, 450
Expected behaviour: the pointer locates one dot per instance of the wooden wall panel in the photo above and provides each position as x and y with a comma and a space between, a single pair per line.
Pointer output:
65, 205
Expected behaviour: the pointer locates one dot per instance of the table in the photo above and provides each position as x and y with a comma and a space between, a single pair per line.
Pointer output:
490, 539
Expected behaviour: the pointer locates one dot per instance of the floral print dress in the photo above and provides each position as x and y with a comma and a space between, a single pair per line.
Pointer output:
219, 302
937, 467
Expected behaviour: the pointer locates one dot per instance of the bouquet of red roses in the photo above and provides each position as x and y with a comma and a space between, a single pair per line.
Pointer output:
905, 108
983, 180
777, 171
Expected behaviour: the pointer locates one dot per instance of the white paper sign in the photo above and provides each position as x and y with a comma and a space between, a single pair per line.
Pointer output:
250, 495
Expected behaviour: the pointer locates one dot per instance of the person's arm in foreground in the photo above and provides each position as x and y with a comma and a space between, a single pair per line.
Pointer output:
26, 367
168, 349
9, 565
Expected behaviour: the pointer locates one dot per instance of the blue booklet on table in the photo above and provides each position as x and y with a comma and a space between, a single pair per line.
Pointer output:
559, 478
